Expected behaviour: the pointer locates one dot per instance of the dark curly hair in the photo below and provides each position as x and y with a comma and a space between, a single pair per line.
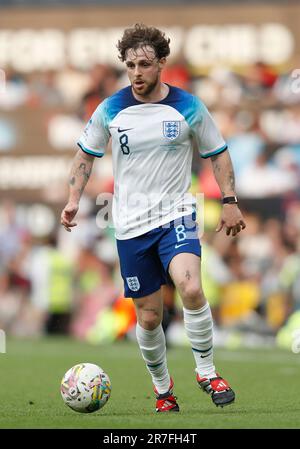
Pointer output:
141, 35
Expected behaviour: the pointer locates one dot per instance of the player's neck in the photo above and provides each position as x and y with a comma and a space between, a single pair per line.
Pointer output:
159, 93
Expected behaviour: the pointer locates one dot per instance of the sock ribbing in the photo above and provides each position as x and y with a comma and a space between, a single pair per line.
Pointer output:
199, 328
152, 344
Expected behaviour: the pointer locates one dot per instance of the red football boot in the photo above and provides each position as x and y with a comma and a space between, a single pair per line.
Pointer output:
218, 388
166, 402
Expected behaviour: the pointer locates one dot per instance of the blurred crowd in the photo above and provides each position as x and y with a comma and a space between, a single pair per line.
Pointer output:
70, 283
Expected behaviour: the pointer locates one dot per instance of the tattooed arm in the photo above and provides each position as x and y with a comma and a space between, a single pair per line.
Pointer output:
231, 216
80, 173
223, 171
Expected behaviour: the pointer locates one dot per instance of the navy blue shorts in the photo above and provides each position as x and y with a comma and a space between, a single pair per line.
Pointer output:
145, 259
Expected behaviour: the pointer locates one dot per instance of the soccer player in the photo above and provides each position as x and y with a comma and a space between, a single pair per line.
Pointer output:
152, 126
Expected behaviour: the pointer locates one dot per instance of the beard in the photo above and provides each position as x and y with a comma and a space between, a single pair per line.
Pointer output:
147, 88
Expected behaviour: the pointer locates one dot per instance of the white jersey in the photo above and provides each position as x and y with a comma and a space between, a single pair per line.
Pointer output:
152, 149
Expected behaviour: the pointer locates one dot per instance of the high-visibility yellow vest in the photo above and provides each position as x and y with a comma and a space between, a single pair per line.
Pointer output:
60, 282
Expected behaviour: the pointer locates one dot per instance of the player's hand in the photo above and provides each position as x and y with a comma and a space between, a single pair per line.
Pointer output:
68, 215
231, 219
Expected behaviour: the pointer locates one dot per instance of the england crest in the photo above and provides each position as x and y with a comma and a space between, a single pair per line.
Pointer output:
171, 130
133, 283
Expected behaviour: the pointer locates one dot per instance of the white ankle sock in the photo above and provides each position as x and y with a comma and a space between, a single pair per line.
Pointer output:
199, 329
152, 344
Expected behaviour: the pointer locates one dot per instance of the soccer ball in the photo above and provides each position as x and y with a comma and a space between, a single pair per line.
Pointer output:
85, 388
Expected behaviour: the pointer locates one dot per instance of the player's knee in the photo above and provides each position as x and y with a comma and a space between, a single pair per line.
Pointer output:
149, 319
190, 290
192, 295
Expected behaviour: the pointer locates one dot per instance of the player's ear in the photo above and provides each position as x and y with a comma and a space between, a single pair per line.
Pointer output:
162, 63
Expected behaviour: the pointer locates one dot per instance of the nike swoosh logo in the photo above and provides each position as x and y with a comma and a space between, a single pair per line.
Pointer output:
203, 356
122, 130
182, 244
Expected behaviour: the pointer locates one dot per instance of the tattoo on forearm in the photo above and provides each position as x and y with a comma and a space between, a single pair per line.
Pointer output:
231, 180
80, 174
224, 174
216, 167
82, 170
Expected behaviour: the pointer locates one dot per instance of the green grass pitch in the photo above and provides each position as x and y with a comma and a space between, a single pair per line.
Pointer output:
266, 382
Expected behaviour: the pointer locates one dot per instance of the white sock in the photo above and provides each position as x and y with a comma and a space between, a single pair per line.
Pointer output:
199, 329
152, 344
